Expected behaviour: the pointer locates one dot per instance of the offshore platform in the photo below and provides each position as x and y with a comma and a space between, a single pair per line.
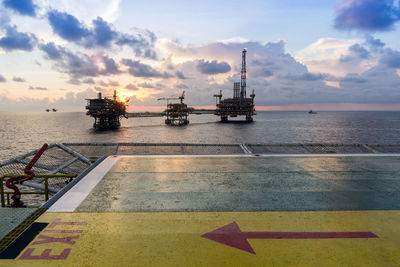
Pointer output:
239, 105
106, 112
176, 113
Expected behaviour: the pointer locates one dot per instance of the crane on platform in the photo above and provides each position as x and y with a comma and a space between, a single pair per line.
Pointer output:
176, 113
173, 98
107, 112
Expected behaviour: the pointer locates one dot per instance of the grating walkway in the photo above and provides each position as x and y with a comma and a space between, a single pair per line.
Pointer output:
11, 217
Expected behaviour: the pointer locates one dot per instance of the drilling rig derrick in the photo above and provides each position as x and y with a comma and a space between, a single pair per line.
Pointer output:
239, 105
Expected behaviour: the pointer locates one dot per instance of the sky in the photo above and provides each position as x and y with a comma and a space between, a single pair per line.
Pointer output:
326, 55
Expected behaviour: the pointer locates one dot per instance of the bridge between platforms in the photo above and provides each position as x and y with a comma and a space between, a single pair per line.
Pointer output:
161, 114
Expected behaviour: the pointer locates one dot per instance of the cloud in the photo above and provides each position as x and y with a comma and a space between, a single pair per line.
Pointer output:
391, 58
102, 34
70, 99
131, 87
374, 44
325, 48
146, 85
360, 51
356, 51
23, 7
18, 79
138, 69
180, 75
52, 51
141, 44
181, 86
2, 79
264, 71
366, 72
111, 66
88, 9
109, 84
38, 88
213, 67
265, 68
79, 65
74, 81
15, 40
366, 15
66, 26
381, 85
353, 78
288, 81
339, 57
4, 18
308, 76
100, 89
88, 81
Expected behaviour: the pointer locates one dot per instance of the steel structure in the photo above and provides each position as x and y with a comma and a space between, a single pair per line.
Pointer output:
239, 105
176, 113
106, 112
243, 77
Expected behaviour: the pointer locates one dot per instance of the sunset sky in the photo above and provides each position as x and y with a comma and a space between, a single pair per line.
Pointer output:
331, 54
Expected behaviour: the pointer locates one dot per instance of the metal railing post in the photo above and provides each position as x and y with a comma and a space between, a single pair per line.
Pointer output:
3, 204
46, 188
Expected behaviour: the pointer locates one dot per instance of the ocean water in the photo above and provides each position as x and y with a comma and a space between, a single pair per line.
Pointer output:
23, 132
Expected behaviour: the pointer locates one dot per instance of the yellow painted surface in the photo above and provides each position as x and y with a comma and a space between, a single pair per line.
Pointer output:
174, 239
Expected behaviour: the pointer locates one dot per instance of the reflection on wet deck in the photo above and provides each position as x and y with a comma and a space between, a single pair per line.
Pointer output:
176, 183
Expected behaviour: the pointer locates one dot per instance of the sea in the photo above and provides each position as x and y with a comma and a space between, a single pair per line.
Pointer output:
22, 132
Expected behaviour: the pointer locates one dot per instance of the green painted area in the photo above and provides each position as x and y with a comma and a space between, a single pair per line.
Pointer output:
248, 184
12, 217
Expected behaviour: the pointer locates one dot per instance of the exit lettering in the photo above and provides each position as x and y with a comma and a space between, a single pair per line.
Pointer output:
33, 253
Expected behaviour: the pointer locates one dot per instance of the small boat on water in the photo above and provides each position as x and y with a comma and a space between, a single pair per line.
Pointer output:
312, 112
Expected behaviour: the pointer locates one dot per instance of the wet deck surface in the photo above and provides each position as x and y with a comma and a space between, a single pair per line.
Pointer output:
165, 211
247, 184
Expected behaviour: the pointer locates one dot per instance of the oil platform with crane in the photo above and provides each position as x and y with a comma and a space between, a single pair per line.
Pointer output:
106, 112
176, 113
239, 105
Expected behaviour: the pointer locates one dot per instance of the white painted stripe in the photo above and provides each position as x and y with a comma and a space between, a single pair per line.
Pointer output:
74, 197
329, 155
245, 149
263, 155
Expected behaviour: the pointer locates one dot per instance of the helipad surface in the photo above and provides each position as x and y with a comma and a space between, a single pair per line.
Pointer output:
225, 211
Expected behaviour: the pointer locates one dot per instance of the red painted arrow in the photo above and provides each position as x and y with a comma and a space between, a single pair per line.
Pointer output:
232, 236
